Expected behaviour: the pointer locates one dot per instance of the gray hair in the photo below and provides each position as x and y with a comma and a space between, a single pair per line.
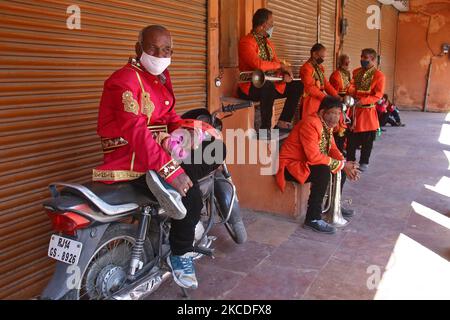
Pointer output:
341, 59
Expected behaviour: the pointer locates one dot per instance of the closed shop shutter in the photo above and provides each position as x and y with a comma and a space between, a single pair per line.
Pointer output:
295, 29
358, 35
294, 34
327, 32
51, 80
388, 39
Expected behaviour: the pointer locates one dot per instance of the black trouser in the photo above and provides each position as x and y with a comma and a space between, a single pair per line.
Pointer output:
395, 115
182, 232
266, 97
340, 141
363, 139
319, 178
386, 117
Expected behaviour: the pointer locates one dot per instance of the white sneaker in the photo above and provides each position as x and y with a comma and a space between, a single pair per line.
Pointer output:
183, 270
168, 198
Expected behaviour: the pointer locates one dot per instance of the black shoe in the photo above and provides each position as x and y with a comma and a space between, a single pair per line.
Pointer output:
283, 130
265, 134
383, 130
347, 213
320, 226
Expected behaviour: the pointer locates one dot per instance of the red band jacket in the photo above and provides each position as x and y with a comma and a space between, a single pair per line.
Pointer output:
136, 110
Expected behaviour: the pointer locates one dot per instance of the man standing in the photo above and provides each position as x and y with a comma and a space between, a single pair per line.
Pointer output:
367, 87
340, 80
310, 154
316, 84
257, 52
136, 117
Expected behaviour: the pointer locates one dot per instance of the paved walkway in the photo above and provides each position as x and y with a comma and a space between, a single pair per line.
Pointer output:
397, 245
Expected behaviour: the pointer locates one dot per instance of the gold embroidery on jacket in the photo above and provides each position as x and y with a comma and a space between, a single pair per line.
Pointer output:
115, 175
147, 105
265, 51
318, 76
334, 164
169, 168
325, 140
345, 76
129, 103
363, 79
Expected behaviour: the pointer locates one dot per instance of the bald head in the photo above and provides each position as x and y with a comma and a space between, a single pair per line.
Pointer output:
155, 40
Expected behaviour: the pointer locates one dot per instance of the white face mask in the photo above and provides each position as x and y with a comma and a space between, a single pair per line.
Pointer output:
270, 32
154, 65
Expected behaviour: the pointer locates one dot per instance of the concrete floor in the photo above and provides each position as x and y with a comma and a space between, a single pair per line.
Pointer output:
397, 245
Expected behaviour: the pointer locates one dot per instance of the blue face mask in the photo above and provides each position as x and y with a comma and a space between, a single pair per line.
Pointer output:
365, 64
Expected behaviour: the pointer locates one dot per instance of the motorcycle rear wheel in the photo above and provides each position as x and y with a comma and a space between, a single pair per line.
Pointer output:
108, 266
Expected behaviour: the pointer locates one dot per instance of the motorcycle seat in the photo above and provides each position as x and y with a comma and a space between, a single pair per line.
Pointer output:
111, 199
121, 193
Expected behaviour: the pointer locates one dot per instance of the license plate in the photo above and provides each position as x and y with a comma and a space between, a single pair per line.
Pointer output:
64, 249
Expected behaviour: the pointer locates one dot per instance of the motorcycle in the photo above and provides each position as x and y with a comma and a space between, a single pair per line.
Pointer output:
113, 240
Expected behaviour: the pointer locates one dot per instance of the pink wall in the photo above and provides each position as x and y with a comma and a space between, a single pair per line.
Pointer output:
414, 54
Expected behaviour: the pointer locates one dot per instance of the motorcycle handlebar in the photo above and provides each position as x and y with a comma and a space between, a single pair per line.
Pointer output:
237, 106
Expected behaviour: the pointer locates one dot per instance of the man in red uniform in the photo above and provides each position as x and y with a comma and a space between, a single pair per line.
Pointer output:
340, 80
257, 52
136, 117
314, 80
310, 154
367, 87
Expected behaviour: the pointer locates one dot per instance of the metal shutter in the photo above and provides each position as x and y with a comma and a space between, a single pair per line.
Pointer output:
327, 32
358, 35
388, 39
295, 29
51, 80
295, 32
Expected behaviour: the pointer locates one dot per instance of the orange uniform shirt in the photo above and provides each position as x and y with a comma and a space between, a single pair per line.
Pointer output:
316, 86
367, 86
340, 80
310, 143
253, 55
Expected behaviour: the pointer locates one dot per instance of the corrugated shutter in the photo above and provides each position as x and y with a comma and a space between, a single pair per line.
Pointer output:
295, 29
358, 35
388, 39
328, 32
51, 80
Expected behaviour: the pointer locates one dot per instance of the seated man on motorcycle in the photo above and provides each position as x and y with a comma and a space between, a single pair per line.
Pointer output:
310, 154
136, 123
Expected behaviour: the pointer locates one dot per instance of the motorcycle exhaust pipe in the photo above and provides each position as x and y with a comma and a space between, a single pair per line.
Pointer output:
144, 287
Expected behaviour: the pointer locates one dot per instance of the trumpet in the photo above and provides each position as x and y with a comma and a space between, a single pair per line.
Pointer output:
332, 208
258, 78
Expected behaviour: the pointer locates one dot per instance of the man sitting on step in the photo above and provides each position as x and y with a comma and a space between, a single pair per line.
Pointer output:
310, 154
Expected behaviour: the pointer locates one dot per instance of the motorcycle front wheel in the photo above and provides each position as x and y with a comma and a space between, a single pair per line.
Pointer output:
235, 226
